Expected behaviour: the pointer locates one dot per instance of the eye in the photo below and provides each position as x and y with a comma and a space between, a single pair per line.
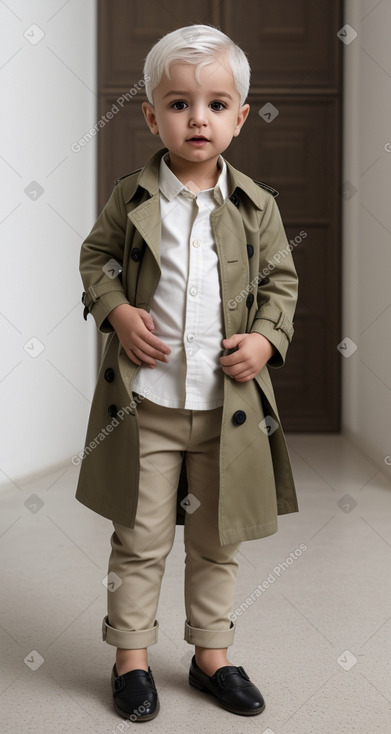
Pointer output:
178, 102
221, 106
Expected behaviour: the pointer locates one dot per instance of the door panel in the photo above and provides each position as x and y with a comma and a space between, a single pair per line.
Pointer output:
294, 144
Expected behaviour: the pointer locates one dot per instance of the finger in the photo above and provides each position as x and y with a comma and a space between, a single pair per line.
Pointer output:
232, 341
241, 370
149, 324
132, 356
147, 319
154, 342
144, 346
231, 359
144, 357
245, 377
232, 371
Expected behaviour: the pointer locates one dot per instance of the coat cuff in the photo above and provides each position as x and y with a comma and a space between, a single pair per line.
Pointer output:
99, 306
276, 327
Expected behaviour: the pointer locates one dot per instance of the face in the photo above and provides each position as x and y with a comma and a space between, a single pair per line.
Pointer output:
196, 121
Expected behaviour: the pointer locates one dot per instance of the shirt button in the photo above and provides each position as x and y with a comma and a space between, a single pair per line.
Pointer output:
190, 337
193, 290
196, 243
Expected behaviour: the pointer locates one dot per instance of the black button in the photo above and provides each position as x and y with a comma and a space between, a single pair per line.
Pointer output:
239, 417
249, 300
109, 374
112, 411
234, 199
136, 254
250, 250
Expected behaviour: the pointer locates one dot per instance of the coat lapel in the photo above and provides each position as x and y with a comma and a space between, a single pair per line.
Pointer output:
228, 228
146, 219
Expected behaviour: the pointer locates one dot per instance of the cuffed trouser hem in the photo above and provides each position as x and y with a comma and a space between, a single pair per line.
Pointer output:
209, 638
129, 639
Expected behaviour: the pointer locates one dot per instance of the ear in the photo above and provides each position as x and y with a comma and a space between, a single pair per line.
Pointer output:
241, 119
149, 114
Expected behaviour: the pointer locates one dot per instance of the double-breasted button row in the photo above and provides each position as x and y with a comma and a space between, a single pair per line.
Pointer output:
235, 199
109, 376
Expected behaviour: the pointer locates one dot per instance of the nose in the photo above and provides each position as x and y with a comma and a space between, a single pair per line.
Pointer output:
198, 117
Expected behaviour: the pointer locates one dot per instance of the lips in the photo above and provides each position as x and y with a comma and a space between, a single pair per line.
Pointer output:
199, 137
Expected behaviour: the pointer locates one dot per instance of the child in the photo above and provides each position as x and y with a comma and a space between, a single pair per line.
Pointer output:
189, 270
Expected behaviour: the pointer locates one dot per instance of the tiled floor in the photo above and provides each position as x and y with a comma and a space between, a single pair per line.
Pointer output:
317, 641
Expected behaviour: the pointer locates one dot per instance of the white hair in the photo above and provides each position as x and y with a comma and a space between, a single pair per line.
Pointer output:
200, 45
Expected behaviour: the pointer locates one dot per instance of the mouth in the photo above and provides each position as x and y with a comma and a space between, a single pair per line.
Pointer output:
198, 139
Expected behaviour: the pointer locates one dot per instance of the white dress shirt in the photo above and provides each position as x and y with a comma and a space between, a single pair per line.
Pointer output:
186, 307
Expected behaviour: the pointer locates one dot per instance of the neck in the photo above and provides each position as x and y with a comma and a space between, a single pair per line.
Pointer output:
203, 174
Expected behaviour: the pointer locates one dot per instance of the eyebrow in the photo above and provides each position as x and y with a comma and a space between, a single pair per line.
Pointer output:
182, 93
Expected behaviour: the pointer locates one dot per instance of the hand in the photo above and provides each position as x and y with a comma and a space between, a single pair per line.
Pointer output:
251, 354
134, 327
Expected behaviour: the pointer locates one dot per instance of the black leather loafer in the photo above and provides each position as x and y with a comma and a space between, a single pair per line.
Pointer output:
231, 686
134, 694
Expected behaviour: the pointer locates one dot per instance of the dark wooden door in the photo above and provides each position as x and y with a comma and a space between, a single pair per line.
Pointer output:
291, 140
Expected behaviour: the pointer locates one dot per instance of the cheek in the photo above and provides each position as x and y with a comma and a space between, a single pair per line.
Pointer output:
228, 126
230, 131
170, 124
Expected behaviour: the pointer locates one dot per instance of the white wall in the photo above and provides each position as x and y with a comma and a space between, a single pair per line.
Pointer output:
367, 230
48, 95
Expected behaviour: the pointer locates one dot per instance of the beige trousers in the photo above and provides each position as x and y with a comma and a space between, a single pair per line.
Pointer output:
138, 555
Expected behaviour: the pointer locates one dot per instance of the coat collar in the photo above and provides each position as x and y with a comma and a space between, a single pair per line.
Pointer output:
148, 179
171, 186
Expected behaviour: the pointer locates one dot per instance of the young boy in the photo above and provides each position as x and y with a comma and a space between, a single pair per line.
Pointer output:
189, 270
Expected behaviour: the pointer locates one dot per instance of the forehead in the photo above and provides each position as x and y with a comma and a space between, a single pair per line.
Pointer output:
216, 75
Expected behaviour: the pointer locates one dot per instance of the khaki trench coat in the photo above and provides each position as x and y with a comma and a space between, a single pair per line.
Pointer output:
120, 263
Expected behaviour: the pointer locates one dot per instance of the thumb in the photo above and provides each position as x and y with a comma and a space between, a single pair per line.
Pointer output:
233, 341
147, 319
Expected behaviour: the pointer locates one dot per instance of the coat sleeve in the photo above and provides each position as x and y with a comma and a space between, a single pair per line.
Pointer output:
278, 285
101, 260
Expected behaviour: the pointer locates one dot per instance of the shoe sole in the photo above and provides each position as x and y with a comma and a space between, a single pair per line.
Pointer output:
141, 718
196, 684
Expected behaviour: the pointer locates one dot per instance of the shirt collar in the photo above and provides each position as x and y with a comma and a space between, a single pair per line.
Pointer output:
171, 187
